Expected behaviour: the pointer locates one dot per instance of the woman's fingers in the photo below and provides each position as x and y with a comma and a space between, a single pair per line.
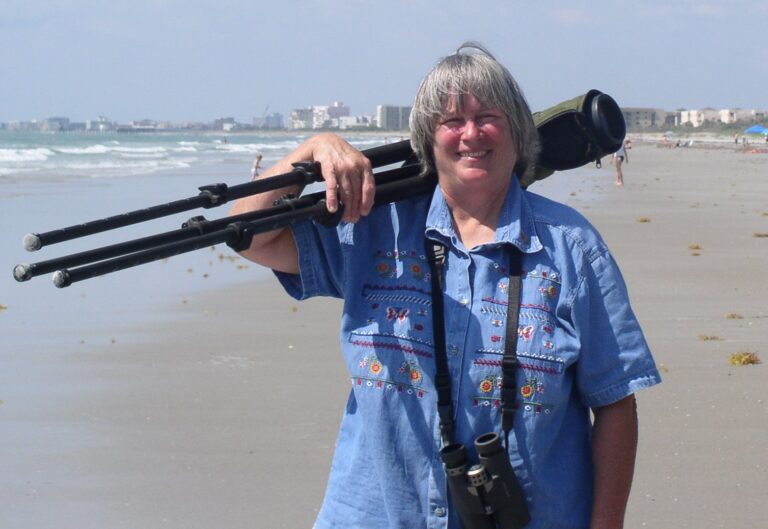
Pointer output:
348, 176
368, 190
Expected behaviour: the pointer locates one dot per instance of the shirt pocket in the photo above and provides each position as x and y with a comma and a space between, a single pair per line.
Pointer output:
391, 349
540, 383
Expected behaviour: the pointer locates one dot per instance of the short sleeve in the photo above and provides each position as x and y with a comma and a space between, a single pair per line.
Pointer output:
614, 360
321, 262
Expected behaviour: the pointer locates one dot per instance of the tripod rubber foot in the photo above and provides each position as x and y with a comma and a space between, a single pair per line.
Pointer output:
32, 242
21, 273
61, 279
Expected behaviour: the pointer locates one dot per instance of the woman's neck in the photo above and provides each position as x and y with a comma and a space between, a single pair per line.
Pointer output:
475, 214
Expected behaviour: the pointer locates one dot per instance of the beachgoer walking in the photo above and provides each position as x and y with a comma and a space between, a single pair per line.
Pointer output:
618, 158
579, 348
256, 167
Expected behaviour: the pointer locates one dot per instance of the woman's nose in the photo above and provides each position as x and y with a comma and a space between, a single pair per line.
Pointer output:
470, 129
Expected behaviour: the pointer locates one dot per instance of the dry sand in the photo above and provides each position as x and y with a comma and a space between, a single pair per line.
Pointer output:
223, 412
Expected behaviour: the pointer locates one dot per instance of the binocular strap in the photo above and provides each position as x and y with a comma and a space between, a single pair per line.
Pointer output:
436, 255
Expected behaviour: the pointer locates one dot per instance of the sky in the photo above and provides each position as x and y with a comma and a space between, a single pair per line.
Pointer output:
198, 60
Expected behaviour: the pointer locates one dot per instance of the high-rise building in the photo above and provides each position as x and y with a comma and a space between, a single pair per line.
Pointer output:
301, 118
391, 117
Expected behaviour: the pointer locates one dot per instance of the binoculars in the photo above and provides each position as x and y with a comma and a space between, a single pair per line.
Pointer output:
487, 494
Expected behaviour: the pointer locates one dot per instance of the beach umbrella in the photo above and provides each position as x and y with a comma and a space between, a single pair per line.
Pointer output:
756, 129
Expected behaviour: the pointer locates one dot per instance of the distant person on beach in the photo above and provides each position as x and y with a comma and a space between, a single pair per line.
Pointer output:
256, 167
575, 350
618, 158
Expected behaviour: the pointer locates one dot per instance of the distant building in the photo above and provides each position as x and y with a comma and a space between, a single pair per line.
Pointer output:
270, 121
353, 122
391, 117
337, 110
733, 115
643, 118
319, 116
20, 126
102, 124
224, 124
55, 124
696, 118
301, 118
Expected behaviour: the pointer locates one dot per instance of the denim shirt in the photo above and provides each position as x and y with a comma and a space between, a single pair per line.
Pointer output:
579, 347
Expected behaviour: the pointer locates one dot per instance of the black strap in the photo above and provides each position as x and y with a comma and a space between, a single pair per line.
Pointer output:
436, 256
509, 362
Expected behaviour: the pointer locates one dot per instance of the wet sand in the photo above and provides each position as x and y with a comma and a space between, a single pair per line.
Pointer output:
193, 393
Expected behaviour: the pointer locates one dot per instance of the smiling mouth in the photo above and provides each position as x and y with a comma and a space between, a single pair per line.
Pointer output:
476, 154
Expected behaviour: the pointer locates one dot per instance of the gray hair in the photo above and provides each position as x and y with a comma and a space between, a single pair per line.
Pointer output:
472, 70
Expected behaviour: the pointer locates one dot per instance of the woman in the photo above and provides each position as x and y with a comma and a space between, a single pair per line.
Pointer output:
579, 346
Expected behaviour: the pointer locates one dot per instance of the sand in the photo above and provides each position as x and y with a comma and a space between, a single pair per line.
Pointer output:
193, 393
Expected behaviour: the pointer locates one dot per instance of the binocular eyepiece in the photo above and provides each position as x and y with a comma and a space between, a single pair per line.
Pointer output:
487, 494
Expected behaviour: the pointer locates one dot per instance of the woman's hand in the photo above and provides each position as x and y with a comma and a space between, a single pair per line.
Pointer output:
349, 180
347, 174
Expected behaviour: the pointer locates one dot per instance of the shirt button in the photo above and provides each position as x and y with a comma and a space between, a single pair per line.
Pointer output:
439, 511
454, 350
464, 301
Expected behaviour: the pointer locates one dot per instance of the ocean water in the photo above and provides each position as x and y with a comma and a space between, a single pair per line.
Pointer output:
45, 156
50, 181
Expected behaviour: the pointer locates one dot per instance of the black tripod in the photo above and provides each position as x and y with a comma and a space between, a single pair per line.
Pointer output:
573, 133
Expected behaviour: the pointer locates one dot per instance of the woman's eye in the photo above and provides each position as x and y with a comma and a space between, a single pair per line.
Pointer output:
452, 122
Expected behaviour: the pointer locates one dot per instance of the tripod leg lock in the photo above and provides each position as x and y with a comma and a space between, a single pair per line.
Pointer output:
215, 194
286, 200
331, 220
241, 237
310, 171
198, 223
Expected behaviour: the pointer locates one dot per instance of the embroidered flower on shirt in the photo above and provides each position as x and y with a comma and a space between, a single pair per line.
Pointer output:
417, 270
396, 312
376, 367
531, 387
549, 291
412, 370
383, 269
526, 333
372, 363
487, 384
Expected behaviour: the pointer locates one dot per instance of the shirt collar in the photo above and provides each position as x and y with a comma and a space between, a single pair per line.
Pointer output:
516, 224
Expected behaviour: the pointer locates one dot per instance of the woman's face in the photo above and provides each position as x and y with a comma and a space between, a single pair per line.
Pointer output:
474, 146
